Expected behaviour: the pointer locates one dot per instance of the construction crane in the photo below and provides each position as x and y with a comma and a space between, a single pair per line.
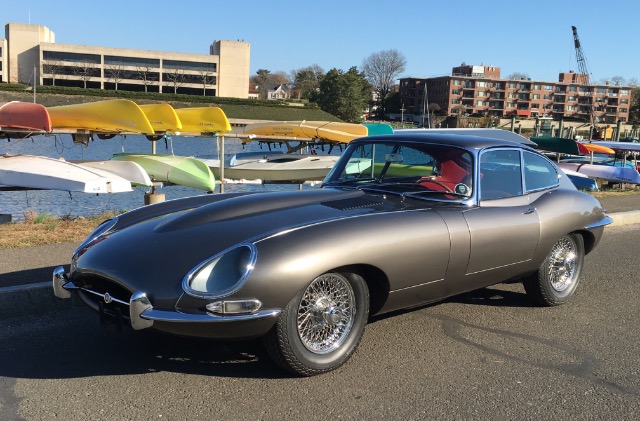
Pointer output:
584, 74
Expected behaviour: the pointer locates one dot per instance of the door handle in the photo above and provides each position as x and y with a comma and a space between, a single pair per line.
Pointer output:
528, 211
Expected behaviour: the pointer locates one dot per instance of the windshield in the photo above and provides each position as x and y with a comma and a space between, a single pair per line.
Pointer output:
414, 169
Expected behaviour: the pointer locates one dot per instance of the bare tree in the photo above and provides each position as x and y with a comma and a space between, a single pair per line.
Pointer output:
176, 77
53, 68
144, 73
207, 78
381, 70
115, 72
85, 71
518, 76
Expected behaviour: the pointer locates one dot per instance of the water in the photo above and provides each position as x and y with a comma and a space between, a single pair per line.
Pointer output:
72, 204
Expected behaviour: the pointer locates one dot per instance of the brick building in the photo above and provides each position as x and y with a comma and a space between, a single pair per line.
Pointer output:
480, 91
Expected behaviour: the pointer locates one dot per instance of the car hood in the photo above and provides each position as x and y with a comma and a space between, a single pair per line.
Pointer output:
155, 254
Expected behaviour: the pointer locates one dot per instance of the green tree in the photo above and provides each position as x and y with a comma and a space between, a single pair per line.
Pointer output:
344, 94
306, 81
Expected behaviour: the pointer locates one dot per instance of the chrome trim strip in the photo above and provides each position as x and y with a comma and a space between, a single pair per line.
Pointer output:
177, 317
101, 295
601, 223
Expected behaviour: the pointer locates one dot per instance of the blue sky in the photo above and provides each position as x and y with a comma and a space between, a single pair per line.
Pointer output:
525, 37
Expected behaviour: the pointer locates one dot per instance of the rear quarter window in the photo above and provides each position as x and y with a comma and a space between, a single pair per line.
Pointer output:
539, 173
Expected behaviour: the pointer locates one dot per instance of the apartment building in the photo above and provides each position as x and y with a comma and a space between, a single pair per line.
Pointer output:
480, 91
29, 52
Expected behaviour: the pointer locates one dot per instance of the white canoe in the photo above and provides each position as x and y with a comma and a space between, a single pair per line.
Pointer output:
40, 172
128, 170
604, 172
275, 167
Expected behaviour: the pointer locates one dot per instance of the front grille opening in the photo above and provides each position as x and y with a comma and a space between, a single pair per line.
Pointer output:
102, 293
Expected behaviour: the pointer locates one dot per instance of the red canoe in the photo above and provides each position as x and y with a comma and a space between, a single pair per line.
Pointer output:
24, 116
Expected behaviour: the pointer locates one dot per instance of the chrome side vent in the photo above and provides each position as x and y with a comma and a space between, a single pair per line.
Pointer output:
353, 203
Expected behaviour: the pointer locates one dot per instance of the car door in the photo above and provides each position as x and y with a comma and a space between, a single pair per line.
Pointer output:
505, 227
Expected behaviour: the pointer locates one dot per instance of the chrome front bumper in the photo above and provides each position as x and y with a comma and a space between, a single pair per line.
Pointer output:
142, 314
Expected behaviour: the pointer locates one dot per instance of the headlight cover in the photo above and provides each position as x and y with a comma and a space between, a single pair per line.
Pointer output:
104, 226
222, 274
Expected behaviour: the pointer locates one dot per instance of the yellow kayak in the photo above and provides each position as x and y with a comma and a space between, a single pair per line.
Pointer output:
331, 131
110, 116
203, 120
163, 118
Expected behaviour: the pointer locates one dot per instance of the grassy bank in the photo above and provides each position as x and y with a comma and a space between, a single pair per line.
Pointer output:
47, 229
234, 108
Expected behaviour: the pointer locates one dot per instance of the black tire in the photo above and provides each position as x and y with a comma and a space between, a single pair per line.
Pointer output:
556, 280
322, 325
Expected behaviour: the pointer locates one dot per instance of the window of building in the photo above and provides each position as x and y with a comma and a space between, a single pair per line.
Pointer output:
536, 87
455, 101
548, 88
511, 95
512, 85
624, 92
573, 89
481, 84
535, 96
535, 106
511, 104
482, 93
132, 61
457, 82
73, 57
547, 96
571, 107
481, 103
623, 110
189, 65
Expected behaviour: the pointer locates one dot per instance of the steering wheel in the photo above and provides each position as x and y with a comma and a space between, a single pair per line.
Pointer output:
430, 180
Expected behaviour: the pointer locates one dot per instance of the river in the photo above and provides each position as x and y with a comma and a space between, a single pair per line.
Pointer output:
73, 204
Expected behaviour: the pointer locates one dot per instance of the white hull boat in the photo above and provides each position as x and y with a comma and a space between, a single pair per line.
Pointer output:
604, 172
128, 170
275, 167
39, 172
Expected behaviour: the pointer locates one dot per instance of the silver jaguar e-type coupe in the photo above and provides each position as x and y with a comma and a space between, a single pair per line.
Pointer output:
401, 220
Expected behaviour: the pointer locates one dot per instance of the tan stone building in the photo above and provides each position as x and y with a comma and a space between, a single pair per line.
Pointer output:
480, 91
30, 52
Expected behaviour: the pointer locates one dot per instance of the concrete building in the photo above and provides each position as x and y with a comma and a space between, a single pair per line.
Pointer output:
30, 52
480, 91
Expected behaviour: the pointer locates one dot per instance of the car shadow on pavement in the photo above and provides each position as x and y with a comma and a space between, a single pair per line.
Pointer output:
501, 295
72, 344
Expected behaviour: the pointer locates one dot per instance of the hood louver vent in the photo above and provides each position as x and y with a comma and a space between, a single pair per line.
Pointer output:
353, 203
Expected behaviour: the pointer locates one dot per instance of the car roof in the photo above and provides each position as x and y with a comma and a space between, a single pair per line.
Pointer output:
459, 140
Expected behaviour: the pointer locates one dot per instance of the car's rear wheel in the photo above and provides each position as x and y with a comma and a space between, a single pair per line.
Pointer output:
556, 280
322, 325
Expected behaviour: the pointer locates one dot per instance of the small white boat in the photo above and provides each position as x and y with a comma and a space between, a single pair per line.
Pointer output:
128, 170
40, 172
604, 172
275, 166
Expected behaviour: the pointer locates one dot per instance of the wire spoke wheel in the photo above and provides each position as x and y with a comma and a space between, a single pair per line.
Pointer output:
326, 313
563, 264
557, 278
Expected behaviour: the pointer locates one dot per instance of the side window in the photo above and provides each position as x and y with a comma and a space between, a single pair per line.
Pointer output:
539, 173
500, 174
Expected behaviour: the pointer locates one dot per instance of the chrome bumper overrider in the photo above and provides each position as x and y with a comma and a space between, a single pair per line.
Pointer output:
143, 315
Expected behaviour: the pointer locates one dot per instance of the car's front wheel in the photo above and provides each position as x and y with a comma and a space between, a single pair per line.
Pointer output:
322, 325
556, 280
